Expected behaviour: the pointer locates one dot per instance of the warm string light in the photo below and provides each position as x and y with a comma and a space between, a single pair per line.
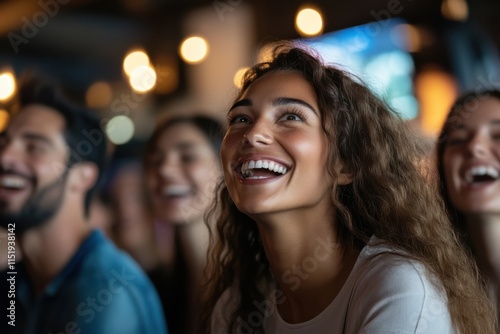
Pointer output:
309, 22
7, 85
436, 91
194, 49
99, 95
455, 10
4, 119
141, 73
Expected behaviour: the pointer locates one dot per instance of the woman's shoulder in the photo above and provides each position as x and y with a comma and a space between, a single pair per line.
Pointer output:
386, 269
379, 258
391, 287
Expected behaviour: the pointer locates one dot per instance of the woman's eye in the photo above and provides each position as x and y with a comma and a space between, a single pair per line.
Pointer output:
154, 161
189, 158
456, 141
291, 117
238, 119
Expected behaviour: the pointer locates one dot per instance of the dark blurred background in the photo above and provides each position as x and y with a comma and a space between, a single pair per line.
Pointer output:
445, 47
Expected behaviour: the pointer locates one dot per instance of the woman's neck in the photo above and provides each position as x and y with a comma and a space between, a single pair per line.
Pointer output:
309, 264
484, 231
165, 242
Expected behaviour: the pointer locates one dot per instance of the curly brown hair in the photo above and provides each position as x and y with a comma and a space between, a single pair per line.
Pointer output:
389, 197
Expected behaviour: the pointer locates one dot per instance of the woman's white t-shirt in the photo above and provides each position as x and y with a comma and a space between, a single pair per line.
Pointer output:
384, 293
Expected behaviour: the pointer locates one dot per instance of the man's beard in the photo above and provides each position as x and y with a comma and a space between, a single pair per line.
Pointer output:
39, 208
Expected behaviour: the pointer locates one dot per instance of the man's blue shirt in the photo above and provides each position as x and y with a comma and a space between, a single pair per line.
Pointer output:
100, 290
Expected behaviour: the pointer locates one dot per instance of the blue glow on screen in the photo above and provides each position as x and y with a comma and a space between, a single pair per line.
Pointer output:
375, 53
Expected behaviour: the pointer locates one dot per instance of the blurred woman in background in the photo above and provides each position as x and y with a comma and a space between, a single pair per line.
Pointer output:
132, 228
469, 168
182, 169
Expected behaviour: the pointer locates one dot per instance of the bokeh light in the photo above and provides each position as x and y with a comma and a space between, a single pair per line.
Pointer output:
309, 22
99, 95
143, 79
120, 129
4, 118
436, 91
7, 85
194, 49
455, 10
134, 59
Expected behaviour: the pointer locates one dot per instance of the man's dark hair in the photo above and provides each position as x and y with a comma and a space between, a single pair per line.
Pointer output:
83, 135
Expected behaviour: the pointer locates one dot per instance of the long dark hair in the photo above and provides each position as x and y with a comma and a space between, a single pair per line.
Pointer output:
390, 197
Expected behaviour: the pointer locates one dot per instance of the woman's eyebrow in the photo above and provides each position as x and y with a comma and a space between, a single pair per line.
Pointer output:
279, 101
458, 127
242, 103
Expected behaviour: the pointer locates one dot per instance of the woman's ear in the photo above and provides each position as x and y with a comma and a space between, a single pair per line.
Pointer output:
344, 176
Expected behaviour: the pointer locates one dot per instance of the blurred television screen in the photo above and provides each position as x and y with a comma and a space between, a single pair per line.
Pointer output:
377, 54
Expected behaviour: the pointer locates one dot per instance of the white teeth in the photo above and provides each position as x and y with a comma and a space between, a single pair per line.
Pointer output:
247, 173
177, 190
12, 182
246, 167
481, 171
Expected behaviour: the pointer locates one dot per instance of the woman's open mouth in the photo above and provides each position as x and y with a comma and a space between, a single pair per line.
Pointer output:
262, 169
481, 174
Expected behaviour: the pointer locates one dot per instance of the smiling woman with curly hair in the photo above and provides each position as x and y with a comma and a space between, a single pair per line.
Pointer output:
325, 222
468, 156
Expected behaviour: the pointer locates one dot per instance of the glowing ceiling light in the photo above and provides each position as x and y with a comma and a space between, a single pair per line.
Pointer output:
309, 22
120, 129
143, 79
99, 95
436, 91
4, 118
456, 10
7, 85
133, 60
194, 49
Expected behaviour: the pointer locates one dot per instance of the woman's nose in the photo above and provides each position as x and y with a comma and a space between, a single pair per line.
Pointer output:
478, 145
259, 133
169, 167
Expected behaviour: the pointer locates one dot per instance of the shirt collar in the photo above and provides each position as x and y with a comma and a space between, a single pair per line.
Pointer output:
87, 245
25, 289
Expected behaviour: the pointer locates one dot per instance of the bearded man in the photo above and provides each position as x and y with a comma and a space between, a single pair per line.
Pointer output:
72, 279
